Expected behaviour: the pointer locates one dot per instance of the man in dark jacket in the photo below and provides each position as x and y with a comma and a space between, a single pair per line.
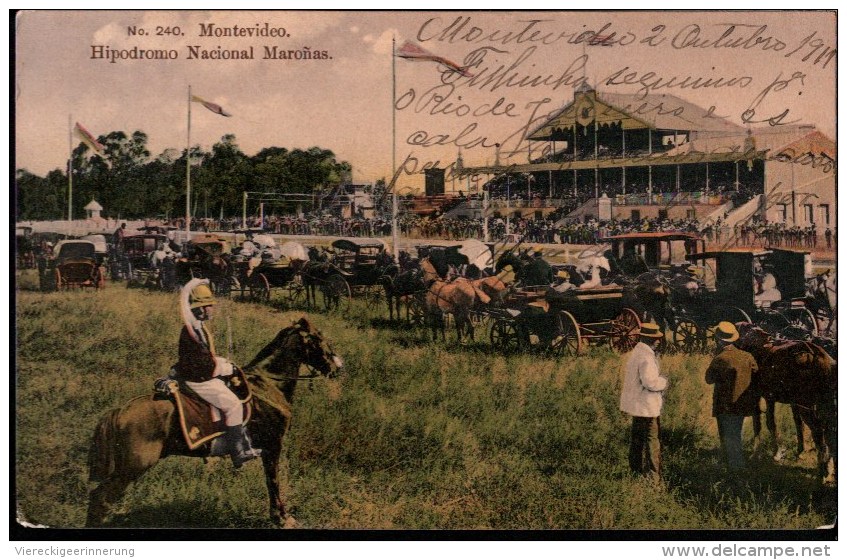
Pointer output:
537, 272
734, 398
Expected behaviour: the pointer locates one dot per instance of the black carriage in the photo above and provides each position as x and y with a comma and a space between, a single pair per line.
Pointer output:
764, 287
564, 323
132, 260
207, 256
632, 254
74, 265
357, 266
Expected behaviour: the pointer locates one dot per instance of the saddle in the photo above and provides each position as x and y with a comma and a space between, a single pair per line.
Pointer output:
199, 421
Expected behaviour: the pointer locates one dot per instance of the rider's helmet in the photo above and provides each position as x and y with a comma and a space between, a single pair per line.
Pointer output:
201, 296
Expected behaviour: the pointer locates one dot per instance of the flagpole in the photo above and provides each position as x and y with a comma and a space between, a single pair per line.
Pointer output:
394, 242
188, 169
70, 168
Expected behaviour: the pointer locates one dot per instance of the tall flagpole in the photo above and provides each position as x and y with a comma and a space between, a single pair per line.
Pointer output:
188, 170
394, 151
70, 169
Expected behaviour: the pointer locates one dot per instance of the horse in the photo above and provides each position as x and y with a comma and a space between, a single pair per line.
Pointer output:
802, 374
132, 438
407, 283
315, 272
457, 298
511, 258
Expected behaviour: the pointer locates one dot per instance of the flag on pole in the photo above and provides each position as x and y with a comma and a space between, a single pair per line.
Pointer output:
413, 52
88, 139
213, 107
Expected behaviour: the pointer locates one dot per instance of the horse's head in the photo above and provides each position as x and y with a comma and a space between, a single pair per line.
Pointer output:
297, 344
751, 338
316, 352
430, 274
509, 257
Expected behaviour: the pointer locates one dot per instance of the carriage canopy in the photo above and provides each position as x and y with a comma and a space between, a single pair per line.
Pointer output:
656, 248
73, 249
357, 244
478, 253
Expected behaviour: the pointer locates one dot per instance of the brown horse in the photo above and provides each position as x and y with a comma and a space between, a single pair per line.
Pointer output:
803, 375
131, 439
457, 298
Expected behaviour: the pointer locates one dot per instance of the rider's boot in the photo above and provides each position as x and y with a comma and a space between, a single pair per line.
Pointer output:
240, 448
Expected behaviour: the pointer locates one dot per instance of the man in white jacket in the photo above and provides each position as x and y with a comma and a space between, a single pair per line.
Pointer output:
641, 398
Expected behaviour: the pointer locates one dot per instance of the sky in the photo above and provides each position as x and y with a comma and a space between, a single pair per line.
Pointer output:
342, 100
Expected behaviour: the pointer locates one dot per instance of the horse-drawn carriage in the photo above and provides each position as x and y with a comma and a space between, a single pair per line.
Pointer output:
207, 256
564, 323
280, 270
357, 266
132, 260
74, 265
763, 287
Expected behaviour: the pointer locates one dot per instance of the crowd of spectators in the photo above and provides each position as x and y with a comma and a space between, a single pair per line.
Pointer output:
535, 230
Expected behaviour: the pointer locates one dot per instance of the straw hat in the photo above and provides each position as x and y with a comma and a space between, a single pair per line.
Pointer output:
650, 330
726, 332
536, 249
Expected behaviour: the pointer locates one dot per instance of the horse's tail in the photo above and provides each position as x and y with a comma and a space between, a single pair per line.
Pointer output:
101, 455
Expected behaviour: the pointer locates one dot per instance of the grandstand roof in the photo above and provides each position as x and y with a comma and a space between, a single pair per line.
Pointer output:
794, 140
635, 111
814, 142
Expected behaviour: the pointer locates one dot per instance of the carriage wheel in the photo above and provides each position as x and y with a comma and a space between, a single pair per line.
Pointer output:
805, 320
567, 341
687, 337
373, 294
504, 336
58, 280
737, 315
296, 295
774, 322
417, 314
259, 288
336, 293
623, 335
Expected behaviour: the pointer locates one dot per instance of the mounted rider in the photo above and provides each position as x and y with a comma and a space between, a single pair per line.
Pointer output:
203, 372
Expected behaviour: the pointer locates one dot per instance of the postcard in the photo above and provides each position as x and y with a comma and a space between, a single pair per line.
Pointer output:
450, 273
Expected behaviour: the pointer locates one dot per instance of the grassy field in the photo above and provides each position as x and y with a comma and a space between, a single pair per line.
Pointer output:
417, 435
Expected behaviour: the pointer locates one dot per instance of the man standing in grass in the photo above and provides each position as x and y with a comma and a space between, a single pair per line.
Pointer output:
642, 399
731, 372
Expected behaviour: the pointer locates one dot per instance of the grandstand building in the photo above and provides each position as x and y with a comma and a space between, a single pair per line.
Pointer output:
628, 156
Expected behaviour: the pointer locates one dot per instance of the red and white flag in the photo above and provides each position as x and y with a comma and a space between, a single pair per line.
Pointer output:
213, 107
88, 139
413, 52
